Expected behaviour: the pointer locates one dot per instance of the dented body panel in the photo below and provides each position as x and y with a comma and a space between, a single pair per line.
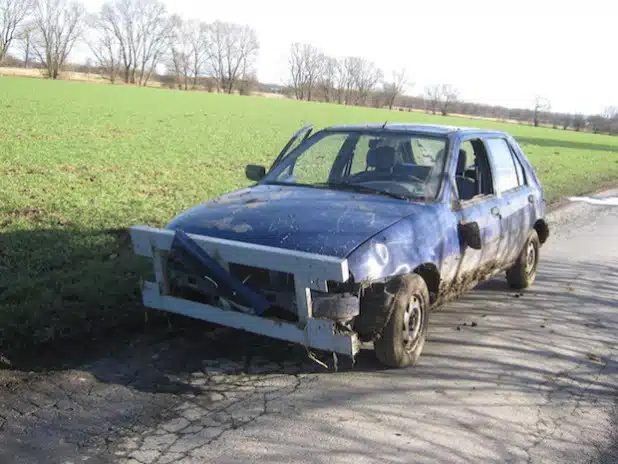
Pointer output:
258, 233
296, 218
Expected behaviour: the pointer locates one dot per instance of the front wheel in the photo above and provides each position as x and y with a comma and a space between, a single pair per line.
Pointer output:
404, 335
523, 272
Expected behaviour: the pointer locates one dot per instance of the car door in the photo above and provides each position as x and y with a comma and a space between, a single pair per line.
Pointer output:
514, 195
482, 206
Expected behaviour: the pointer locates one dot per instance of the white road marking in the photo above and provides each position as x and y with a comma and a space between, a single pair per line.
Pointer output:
611, 201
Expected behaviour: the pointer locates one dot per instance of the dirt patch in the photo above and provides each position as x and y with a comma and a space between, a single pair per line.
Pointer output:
86, 170
155, 191
20, 171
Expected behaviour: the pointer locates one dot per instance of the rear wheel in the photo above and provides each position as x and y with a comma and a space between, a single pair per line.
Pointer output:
523, 272
403, 337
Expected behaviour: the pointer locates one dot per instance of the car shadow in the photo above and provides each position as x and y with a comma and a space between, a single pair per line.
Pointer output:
558, 333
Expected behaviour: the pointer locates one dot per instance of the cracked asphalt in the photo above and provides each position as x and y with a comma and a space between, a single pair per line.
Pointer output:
504, 377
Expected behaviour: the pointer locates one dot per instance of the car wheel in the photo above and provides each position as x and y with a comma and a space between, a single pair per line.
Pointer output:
523, 272
404, 335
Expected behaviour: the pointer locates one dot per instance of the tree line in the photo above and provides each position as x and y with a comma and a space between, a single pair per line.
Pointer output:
130, 40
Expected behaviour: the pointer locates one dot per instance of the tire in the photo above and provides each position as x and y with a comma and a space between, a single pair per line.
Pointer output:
403, 337
523, 272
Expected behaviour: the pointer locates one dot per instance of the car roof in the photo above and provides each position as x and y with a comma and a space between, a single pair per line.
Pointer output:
429, 129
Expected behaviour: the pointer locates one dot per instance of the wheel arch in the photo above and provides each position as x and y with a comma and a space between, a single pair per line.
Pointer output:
377, 298
542, 230
431, 275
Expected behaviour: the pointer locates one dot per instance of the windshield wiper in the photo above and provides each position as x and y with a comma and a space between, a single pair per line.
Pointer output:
359, 188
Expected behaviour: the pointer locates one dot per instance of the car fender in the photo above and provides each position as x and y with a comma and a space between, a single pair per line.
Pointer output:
425, 243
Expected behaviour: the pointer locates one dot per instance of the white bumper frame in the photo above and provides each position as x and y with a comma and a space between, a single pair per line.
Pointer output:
311, 272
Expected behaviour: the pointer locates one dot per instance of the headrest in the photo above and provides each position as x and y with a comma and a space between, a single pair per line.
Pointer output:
381, 158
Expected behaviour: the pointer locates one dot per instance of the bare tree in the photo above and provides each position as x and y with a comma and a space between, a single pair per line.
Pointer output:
13, 13
442, 97
610, 112
188, 50
58, 25
341, 81
306, 64
579, 121
180, 52
105, 47
154, 33
247, 84
597, 123
432, 97
395, 87
329, 78
448, 96
539, 106
24, 42
297, 70
365, 77
349, 72
232, 49
198, 37
142, 30
565, 120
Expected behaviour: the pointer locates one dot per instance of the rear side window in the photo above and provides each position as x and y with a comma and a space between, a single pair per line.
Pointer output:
521, 177
506, 174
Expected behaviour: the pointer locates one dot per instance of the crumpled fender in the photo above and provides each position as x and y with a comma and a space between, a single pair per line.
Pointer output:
422, 238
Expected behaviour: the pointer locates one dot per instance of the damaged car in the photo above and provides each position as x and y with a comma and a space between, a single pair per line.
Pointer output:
354, 234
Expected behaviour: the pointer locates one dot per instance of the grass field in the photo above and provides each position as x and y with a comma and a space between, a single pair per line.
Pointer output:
81, 162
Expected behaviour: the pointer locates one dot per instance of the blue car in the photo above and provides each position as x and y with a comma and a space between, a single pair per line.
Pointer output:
354, 234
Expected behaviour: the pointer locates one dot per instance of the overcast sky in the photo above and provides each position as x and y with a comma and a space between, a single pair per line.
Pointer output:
498, 52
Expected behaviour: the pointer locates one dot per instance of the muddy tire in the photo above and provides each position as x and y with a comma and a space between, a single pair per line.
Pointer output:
404, 334
523, 272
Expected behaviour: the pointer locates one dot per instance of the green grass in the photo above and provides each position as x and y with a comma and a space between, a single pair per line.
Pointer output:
81, 162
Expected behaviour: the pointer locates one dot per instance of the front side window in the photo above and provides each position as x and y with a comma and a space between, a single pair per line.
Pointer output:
505, 175
403, 165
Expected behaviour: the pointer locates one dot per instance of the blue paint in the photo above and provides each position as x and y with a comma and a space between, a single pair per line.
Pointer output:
380, 236
306, 219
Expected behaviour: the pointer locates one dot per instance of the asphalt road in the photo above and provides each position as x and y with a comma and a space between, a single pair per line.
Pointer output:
504, 377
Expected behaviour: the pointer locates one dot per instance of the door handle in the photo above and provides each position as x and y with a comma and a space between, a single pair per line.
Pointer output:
530, 198
496, 212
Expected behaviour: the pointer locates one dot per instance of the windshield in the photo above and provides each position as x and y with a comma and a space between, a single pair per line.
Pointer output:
396, 164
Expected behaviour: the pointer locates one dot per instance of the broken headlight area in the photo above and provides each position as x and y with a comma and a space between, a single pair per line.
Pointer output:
340, 307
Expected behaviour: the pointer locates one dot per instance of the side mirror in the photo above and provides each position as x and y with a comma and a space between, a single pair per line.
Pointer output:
255, 172
471, 234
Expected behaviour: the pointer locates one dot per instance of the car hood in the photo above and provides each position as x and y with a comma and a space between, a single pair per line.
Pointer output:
305, 219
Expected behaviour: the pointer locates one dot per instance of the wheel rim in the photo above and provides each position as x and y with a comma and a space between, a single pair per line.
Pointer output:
412, 323
530, 259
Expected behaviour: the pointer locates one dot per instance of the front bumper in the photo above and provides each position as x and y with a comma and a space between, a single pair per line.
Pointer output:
311, 274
